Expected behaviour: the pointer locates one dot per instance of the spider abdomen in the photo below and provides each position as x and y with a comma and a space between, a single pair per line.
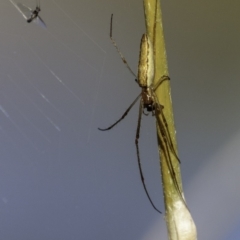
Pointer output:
146, 63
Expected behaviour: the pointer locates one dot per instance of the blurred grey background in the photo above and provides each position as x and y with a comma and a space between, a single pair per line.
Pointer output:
61, 178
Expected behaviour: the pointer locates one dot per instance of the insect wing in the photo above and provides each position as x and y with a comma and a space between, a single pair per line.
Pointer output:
38, 20
25, 11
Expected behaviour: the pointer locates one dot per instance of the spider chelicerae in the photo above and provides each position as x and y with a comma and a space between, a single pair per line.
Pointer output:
148, 101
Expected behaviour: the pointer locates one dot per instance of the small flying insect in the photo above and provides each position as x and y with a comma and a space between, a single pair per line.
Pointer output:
148, 101
29, 14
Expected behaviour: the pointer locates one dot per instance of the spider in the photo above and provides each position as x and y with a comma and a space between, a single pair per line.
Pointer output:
148, 101
29, 14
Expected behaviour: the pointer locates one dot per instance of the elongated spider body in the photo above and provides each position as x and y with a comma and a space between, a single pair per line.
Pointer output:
148, 101
146, 73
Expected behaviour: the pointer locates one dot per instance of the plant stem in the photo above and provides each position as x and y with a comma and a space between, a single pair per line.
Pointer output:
178, 218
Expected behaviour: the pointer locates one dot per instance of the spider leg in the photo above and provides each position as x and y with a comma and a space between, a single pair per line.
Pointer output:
166, 145
123, 116
138, 155
166, 151
160, 81
119, 52
146, 114
163, 123
169, 137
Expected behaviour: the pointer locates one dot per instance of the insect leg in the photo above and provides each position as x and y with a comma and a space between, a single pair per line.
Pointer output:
138, 155
123, 116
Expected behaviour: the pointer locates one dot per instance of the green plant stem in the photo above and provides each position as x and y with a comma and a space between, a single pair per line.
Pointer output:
178, 218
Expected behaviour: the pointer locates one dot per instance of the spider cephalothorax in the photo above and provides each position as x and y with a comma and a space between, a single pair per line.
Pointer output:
148, 100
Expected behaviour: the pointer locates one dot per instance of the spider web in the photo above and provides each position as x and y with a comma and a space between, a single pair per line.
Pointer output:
49, 85
32, 76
